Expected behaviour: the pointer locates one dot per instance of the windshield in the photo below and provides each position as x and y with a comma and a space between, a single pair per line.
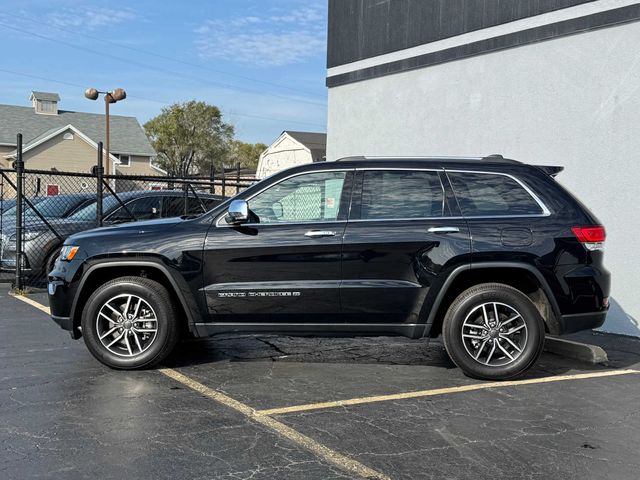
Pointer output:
89, 213
55, 207
27, 209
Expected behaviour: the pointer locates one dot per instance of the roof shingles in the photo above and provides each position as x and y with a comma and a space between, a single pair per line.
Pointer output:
126, 134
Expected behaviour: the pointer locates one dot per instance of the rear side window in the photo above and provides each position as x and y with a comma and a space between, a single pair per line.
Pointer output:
489, 194
401, 194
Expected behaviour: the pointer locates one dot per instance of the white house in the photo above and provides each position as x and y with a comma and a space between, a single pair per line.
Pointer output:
291, 149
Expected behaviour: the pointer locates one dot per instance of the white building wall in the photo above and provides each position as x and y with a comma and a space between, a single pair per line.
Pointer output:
572, 101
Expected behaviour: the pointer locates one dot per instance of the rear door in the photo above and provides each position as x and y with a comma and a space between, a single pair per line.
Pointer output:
284, 266
404, 233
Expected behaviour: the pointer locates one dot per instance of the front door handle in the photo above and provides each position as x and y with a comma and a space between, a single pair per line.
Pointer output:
319, 233
443, 230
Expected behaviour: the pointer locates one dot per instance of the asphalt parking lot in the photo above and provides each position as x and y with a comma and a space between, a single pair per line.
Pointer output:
279, 407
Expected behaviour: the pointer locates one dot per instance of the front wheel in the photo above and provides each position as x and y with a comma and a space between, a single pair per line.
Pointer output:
130, 323
493, 331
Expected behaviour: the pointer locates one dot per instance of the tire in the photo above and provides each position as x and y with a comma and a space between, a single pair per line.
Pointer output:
145, 340
470, 332
50, 261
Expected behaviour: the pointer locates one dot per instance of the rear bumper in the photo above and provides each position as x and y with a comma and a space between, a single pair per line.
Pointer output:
577, 322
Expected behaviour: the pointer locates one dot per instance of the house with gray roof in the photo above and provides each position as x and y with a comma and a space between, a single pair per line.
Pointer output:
68, 141
290, 149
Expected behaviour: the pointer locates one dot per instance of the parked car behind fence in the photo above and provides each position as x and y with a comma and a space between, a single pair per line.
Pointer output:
126, 198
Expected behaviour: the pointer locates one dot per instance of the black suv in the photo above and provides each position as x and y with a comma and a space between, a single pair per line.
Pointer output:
489, 252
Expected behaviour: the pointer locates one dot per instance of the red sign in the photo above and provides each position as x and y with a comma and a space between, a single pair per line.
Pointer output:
53, 190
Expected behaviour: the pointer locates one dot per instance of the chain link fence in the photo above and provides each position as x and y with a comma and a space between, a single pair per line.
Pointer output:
39, 209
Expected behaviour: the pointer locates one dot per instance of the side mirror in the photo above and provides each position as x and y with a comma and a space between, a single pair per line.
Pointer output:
238, 212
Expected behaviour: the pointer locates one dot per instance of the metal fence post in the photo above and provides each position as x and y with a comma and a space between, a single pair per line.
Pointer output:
238, 178
212, 176
99, 187
19, 199
224, 183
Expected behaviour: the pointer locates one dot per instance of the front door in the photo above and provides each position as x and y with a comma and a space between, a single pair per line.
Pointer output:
284, 265
403, 234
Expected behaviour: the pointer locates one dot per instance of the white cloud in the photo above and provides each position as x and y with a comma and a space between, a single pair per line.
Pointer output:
281, 38
89, 18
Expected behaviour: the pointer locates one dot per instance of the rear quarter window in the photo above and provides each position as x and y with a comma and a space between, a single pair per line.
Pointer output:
489, 194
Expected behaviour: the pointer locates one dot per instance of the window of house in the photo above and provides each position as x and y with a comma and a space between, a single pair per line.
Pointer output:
125, 160
489, 194
312, 197
400, 194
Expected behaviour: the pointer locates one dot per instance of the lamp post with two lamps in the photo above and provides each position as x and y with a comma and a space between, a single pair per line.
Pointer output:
109, 97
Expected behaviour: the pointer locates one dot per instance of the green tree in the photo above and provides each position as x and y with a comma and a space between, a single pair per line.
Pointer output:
190, 137
246, 154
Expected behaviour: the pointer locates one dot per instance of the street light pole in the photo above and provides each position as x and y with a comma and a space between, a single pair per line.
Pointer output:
109, 97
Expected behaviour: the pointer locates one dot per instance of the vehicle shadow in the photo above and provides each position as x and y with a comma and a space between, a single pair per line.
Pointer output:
624, 352
280, 348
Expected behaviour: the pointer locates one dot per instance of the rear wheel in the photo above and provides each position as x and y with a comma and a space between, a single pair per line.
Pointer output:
493, 331
130, 323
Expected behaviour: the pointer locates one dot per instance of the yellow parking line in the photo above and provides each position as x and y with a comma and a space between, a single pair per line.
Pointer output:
331, 456
341, 461
33, 303
440, 391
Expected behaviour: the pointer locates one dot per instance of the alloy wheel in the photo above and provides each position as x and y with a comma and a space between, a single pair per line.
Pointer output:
127, 325
494, 334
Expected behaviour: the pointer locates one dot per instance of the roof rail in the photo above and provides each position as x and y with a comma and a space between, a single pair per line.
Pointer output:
489, 158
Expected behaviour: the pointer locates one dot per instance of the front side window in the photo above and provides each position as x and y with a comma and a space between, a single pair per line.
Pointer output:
490, 194
399, 194
146, 208
312, 197
174, 206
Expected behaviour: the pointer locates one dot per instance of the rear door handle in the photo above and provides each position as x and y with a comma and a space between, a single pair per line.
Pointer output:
319, 233
443, 230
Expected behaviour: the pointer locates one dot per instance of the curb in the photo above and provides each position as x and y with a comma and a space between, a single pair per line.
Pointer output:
576, 350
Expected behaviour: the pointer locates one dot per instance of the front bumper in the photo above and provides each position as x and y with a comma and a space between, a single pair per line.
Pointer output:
61, 296
63, 322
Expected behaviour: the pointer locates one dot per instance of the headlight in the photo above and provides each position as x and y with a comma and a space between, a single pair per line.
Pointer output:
68, 253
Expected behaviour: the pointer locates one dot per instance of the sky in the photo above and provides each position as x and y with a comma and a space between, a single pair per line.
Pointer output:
262, 62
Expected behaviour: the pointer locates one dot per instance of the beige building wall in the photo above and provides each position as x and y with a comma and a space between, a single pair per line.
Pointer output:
5, 150
138, 165
74, 155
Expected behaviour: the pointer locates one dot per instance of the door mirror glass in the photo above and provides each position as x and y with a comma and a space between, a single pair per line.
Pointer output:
238, 212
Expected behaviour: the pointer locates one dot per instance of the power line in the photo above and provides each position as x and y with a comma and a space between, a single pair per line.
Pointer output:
164, 103
164, 57
158, 69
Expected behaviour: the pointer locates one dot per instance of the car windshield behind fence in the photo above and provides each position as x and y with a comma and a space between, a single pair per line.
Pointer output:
56, 205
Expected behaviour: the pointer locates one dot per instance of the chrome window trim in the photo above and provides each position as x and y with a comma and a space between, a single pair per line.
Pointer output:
226, 225
545, 211
437, 171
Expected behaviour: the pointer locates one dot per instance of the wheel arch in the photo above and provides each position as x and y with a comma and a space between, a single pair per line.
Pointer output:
100, 273
522, 276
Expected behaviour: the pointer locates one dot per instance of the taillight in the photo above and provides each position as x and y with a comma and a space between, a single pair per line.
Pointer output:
591, 237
